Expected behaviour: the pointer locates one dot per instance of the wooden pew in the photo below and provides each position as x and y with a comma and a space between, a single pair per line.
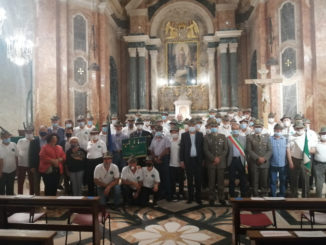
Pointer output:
26, 237
90, 204
247, 204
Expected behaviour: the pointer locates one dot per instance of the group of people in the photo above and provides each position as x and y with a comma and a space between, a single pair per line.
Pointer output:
200, 150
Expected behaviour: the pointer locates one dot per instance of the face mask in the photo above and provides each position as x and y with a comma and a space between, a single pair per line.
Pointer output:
158, 134
307, 126
74, 145
198, 126
186, 126
104, 129
218, 120
94, 137
42, 134
251, 124
271, 120
133, 168
29, 136
246, 116
258, 130
6, 141
114, 121
278, 134
192, 129
235, 132
208, 131
175, 136
300, 132
287, 123
163, 117
55, 125
211, 116
89, 123
68, 135
323, 137
146, 123
243, 126
214, 130
81, 124
139, 127
68, 125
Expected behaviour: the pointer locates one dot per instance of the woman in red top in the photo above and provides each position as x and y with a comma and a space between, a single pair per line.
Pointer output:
52, 157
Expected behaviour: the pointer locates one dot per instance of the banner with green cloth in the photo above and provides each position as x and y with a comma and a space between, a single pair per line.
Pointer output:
306, 156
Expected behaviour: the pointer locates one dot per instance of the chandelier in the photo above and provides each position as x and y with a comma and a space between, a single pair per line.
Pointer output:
3, 17
19, 49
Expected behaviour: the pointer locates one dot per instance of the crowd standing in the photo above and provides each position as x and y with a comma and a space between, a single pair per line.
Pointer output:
201, 152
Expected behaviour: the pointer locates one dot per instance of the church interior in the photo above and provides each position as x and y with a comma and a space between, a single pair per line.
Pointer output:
140, 58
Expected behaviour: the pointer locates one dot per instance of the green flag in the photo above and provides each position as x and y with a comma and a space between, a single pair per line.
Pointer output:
306, 156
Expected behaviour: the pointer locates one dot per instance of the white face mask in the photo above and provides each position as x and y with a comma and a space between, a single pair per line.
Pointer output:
175, 136
287, 123
29, 136
271, 120
323, 137
308, 126
208, 130
300, 132
114, 121
146, 123
139, 126
94, 137
186, 126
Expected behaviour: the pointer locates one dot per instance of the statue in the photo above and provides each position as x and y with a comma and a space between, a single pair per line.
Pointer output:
170, 31
192, 30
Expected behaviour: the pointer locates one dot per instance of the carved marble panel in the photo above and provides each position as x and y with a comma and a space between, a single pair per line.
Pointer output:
80, 70
290, 100
80, 103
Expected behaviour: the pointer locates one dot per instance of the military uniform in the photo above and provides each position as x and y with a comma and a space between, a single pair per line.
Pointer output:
259, 145
215, 145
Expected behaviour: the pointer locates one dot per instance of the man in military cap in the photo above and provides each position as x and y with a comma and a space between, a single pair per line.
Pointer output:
211, 114
55, 128
81, 132
8, 163
295, 159
218, 118
104, 133
160, 151
215, 149
260, 150
117, 139
95, 150
90, 124
247, 114
130, 127
319, 164
147, 122
244, 127
106, 179
225, 127
271, 123
165, 130
191, 156
288, 129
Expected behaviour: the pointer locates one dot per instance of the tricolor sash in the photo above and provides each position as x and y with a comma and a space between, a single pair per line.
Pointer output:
237, 144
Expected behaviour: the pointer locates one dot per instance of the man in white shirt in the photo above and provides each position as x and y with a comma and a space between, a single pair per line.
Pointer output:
104, 133
288, 129
165, 120
244, 128
295, 159
90, 126
271, 123
131, 182
8, 163
130, 127
95, 150
106, 178
319, 164
225, 128
22, 149
81, 132
176, 171
151, 181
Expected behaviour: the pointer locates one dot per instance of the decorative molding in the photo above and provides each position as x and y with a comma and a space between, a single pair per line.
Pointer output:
133, 4
228, 34
226, 6
132, 52
155, 42
222, 48
136, 38
138, 12
211, 39
142, 52
233, 47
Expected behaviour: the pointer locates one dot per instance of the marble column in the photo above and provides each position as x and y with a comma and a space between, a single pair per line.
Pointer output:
224, 74
211, 77
154, 102
132, 80
234, 74
142, 91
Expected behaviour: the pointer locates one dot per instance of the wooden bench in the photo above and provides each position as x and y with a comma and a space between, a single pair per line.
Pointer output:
89, 204
258, 239
239, 204
26, 237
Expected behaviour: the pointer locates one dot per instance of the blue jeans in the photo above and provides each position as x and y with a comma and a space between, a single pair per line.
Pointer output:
273, 178
115, 192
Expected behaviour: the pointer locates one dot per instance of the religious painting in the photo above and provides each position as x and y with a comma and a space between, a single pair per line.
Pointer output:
182, 58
